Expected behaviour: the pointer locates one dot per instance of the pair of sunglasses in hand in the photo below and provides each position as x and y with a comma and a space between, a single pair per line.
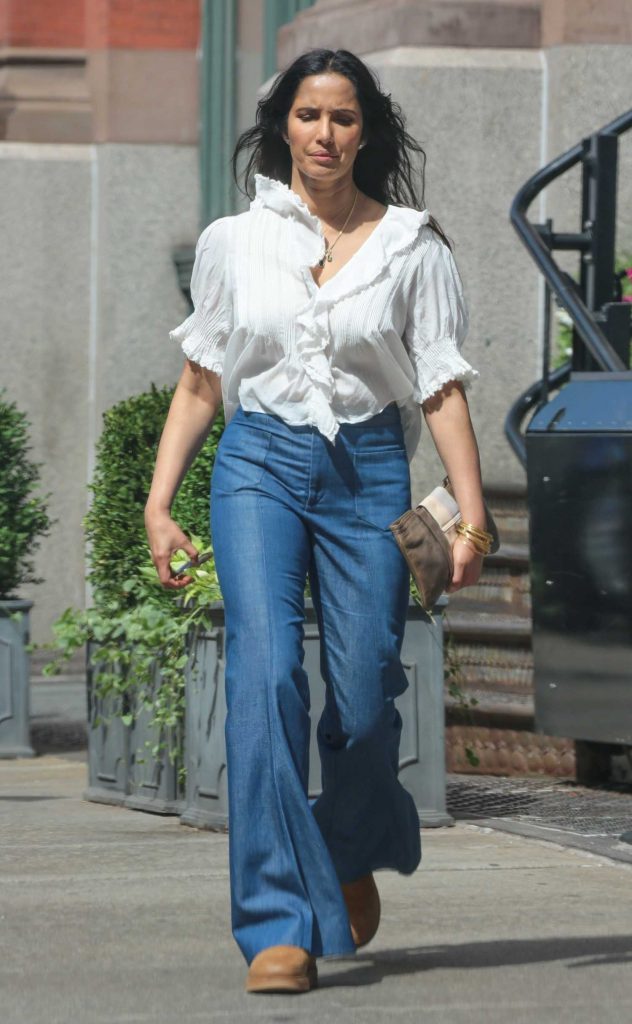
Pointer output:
192, 564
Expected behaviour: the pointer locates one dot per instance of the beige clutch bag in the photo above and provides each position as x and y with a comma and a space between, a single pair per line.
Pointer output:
425, 536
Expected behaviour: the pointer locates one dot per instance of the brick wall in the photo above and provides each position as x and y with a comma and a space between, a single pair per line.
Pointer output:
43, 23
143, 24
101, 24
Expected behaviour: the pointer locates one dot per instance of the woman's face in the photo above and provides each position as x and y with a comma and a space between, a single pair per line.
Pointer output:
324, 127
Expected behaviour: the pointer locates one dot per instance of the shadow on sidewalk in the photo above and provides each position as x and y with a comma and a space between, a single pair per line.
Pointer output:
586, 951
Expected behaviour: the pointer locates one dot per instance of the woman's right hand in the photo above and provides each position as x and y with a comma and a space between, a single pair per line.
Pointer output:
165, 538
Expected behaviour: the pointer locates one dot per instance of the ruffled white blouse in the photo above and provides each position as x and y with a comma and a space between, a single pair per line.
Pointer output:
387, 327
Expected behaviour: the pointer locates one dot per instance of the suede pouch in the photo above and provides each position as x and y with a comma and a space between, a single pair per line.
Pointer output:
425, 536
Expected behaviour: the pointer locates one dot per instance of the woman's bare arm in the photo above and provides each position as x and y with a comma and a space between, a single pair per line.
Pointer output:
448, 417
193, 409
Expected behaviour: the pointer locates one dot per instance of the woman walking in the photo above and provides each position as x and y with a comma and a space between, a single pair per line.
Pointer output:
325, 318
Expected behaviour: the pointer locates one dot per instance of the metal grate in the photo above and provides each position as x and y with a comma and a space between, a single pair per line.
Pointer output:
548, 803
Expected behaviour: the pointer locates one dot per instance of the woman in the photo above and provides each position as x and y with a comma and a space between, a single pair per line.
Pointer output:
325, 317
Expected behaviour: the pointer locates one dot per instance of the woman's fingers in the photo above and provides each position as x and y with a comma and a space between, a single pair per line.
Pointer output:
187, 546
165, 572
163, 567
467, 567
166, 537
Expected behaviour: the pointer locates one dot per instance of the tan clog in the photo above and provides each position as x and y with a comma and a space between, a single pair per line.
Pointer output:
363, 906
282, 969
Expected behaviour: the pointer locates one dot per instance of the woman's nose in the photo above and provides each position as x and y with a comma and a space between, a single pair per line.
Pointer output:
324, 131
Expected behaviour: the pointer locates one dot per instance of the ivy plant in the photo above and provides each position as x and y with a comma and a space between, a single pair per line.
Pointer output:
139, 632
143, 641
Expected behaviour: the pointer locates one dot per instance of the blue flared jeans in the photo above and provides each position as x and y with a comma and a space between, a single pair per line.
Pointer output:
286, 506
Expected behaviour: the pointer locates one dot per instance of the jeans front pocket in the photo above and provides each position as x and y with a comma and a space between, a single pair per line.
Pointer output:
240, 463
382, 482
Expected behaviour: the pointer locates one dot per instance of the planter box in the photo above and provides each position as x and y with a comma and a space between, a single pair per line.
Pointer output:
121, 770
152, 782
15, 740
422, 749
108, 742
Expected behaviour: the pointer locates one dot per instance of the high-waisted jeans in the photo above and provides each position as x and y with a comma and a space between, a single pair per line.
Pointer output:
287, 505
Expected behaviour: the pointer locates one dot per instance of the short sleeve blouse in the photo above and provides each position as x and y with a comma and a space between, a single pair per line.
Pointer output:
387, 327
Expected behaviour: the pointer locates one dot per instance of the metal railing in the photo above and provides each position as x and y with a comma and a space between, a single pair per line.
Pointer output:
601, 327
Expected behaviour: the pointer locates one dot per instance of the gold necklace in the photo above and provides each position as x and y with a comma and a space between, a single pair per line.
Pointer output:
327, 255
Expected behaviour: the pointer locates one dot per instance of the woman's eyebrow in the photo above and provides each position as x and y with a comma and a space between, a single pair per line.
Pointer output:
336, 110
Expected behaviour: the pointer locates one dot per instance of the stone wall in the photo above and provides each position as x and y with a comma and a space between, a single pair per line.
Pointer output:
88, 294
45, 300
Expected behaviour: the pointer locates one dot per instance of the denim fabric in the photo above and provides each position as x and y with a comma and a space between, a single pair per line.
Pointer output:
286, 504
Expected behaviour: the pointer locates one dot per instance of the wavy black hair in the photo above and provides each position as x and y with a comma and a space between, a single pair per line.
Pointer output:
382, 169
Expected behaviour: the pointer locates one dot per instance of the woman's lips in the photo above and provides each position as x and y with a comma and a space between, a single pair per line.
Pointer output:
324, 158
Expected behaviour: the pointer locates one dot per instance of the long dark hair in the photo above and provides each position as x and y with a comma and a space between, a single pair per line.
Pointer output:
382, 169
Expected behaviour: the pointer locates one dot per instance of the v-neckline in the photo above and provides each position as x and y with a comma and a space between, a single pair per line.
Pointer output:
319, 287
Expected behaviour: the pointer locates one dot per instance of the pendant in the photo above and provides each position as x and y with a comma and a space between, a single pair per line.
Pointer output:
327, 256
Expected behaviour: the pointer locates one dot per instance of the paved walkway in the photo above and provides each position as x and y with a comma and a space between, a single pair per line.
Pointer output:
111, 916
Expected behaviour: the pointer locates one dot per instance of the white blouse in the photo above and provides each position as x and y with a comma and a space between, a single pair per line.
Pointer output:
387, 327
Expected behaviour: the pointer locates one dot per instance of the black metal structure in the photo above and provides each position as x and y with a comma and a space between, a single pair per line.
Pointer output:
577, 450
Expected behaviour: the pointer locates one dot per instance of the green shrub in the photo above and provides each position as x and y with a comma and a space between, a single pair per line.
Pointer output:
23, 515
125, 457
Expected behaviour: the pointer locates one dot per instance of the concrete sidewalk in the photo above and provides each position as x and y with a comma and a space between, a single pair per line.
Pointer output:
59, 711
110, 915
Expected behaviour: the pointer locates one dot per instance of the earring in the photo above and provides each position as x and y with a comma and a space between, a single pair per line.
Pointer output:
362, 145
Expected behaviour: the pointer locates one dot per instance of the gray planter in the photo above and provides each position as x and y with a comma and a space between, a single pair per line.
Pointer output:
206, 796
422, 751
152, 781
121, 769
108, 742
15, 740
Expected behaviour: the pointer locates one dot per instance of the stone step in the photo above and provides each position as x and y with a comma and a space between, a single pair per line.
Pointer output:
488, 627
511, 516
512, 552
496, 593
495, 668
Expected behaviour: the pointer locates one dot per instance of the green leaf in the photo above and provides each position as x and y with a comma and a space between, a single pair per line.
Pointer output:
472, 758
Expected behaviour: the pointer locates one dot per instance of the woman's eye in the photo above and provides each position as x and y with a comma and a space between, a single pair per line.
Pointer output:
346, 121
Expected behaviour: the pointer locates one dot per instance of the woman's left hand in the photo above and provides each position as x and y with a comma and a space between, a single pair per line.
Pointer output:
467, 566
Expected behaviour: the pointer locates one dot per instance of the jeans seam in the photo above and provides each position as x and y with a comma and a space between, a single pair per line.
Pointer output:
307, 945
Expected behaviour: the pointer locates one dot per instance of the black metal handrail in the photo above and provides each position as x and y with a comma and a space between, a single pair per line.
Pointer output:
540, 240
526, 401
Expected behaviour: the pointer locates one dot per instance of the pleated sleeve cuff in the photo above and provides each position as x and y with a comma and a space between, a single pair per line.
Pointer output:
437, 323
204, 334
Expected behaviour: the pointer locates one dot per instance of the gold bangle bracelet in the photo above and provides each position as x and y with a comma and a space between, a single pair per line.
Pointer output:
475, 531
481, 543
468, 540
